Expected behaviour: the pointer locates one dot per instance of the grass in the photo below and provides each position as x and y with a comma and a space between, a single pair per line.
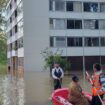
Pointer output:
3, 68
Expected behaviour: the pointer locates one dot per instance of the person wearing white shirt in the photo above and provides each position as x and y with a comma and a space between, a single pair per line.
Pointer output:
57, 74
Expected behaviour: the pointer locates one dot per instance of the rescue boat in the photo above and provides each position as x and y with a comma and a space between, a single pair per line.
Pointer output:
60, 97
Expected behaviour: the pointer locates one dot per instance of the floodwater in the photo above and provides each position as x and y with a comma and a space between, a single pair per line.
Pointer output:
34, 88
11, 90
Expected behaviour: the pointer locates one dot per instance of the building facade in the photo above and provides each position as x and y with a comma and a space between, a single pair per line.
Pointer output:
75, 27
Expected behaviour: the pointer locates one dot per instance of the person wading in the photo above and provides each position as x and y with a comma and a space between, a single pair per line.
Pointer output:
98, 87
57, 74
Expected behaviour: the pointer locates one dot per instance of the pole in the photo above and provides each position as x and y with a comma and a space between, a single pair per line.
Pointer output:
83, 43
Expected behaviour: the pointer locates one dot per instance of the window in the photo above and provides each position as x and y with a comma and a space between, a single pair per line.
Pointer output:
102, 7
69, 6
16, 45
20, 8
74, 24
15, 0
102, 24
59, 5
10, 19
91, 24
60, 41
11, 47
78, 24
77, 42
51, 5
16, 29
51, 23
10, 6
20, 43
59, 24
15, 13
11, 32
51, 41
20, 27
70, 24
90, 7
77, 6
103, 41
91, 42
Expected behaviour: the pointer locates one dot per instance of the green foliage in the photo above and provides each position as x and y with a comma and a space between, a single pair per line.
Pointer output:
3, 48
3, 69
3, 4
50, 58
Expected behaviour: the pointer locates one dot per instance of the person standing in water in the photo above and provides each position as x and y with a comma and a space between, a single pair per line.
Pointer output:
57, 74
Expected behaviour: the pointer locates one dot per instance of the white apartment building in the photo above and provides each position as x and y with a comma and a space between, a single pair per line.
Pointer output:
76, 27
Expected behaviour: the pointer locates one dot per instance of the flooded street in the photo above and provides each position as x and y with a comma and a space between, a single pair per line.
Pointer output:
11, 90
34, 88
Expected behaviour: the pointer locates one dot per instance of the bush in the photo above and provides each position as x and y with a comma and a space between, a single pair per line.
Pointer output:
50, 58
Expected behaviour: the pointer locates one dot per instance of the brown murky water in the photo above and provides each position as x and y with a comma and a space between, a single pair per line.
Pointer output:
34, 88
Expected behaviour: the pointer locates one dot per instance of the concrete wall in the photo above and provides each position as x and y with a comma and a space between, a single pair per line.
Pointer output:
36, 32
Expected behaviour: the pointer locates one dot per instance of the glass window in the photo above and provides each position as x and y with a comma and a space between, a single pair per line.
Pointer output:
59, 24
16, 45
11, 47
51, 41
102, 7
15, 0
102, 24
11, 19
103, 41
77, 6
91, 42
69, 6
59, 5
78, 24
15, 13
91, 24
10, 6
20, 43
16, 28
51, 5
20, 27
20, 8
70, 24
74, 42
74, 24
11, 32
51, 21
90, 7
60, 41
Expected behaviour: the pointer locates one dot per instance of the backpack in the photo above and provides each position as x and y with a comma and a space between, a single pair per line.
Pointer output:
102, 79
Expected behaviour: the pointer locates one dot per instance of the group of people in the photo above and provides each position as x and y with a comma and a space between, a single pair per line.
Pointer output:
76, 96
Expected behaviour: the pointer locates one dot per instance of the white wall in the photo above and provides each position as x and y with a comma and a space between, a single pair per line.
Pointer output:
20, 52
79, 51
36, 32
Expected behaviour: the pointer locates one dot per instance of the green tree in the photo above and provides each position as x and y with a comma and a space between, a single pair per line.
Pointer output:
3, 48
51, 57
3, 37
3, 4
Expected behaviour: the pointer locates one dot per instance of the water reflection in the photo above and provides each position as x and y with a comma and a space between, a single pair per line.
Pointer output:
34, 89
11, 90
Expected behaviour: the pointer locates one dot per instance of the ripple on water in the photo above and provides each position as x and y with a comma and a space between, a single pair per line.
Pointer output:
11, 90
